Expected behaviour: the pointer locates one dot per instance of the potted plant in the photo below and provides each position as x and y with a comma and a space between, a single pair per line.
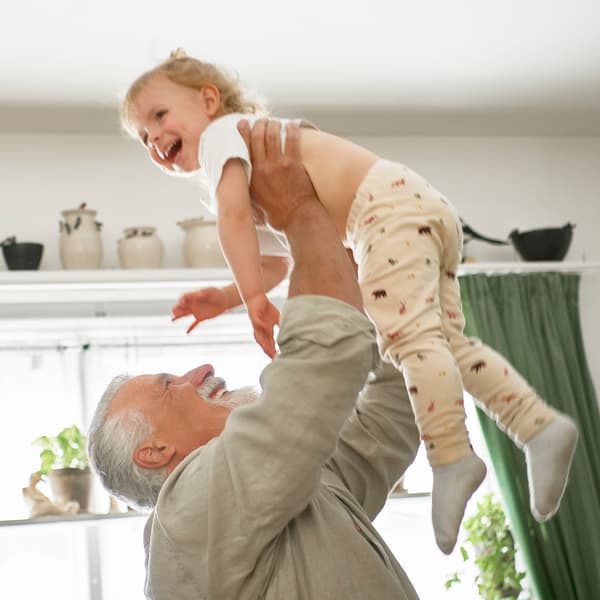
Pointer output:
494, 552
65, 464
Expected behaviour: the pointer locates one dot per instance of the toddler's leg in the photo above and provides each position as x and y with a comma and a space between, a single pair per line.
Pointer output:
547, 436
435, 390
400, 260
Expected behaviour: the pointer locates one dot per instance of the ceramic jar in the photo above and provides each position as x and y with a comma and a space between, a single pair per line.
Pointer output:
140, 248
201, 249
80, 239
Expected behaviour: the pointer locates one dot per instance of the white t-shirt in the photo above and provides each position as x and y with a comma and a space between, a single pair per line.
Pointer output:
222, 141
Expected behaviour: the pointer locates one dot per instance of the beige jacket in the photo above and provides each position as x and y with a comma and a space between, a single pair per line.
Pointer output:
279, 506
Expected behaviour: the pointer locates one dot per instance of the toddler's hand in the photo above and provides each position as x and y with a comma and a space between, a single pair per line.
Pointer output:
264, 317
203, 304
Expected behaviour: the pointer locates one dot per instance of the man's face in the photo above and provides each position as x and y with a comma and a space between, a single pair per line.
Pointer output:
170, 118
185, 411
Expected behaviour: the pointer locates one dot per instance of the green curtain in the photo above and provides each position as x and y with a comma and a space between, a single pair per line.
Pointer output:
533, 320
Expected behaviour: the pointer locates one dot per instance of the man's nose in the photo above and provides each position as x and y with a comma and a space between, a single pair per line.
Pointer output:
199, 374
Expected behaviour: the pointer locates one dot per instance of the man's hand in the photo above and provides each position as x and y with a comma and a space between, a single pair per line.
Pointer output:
280, 184
203, 304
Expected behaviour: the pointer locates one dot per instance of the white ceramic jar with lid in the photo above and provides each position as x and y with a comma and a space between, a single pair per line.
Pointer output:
80, 239
201, 248
140, 248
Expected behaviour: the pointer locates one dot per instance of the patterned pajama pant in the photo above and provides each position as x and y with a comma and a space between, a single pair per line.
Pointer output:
407, 239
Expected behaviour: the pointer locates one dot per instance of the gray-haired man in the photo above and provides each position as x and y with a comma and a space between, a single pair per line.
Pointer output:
274, 499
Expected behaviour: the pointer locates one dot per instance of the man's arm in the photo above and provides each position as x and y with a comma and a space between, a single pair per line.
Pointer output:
275, 448
284, 190
379, 440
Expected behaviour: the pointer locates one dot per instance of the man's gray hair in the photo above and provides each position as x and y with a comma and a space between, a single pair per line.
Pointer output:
111, 444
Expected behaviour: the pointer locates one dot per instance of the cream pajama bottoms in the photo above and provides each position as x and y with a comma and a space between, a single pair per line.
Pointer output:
407, 239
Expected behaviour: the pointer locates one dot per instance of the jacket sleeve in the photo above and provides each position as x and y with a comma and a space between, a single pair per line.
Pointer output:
275, 449
379, 440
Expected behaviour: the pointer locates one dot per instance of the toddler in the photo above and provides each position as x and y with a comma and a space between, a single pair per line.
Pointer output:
406, 239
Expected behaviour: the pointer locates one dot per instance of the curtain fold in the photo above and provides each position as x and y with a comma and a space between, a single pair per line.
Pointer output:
533, 320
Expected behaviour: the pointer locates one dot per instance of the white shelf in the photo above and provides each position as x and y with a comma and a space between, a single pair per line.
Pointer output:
105, 285
89, 518
103, 292
499, 268
137, 294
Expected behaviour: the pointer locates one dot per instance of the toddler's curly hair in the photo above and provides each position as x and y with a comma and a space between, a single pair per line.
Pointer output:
190, 72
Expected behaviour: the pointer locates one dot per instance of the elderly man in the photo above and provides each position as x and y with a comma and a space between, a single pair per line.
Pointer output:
274, 499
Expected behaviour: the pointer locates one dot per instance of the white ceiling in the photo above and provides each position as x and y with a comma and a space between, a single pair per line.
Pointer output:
525, 58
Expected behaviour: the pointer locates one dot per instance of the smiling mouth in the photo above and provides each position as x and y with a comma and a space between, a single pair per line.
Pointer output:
212, 388
171, 151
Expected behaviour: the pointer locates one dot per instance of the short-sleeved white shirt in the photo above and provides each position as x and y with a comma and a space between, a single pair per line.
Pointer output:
220, 142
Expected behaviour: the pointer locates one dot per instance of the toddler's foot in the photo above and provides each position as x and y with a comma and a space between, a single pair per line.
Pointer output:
453, 485
549, 454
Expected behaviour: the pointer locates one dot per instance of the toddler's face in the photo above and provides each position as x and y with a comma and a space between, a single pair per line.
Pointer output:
170, 119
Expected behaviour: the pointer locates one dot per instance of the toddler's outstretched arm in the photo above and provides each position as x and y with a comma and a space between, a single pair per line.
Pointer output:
210, 302
237, 234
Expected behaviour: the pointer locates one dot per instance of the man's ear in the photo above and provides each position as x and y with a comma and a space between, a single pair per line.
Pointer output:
211, 97
153, 454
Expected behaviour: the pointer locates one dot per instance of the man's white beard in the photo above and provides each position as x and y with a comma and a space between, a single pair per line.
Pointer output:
238, 398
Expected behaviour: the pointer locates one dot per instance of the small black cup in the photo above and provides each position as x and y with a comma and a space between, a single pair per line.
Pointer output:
23, 256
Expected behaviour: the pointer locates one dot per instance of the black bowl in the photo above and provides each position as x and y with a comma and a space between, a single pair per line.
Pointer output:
551, 244
23, 256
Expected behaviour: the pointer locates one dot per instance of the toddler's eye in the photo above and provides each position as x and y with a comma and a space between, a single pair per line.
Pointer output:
160, 114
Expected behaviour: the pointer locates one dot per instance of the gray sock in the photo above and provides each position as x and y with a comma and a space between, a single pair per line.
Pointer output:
549, 454
453, 485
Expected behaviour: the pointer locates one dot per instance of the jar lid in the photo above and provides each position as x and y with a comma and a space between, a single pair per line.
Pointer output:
78, 211
139, 229
195, 221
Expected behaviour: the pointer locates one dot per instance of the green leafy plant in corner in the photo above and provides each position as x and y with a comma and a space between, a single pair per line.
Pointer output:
67, 450
494, 552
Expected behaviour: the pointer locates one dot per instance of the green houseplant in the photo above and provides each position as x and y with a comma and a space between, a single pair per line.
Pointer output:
494, 552
65, 464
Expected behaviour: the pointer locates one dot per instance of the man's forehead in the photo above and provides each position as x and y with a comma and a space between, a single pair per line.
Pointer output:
134, 392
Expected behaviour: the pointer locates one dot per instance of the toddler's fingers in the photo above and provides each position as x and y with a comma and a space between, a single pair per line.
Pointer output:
193, 326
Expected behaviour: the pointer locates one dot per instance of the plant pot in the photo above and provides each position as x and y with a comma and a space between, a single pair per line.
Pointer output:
140, 248
71, 485
201, 247
23, 256
550, 244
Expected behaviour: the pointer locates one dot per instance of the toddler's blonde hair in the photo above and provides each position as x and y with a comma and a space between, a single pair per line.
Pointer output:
190, 72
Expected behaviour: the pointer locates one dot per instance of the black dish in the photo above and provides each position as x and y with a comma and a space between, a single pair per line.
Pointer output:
550, 244
22, 256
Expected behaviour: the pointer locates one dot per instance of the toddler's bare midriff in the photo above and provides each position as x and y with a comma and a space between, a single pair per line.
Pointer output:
336, 167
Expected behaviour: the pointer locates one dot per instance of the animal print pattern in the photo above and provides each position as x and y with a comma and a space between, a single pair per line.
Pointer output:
406, 238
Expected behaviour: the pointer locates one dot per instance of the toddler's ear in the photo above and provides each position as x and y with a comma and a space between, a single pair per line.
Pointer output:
211, 98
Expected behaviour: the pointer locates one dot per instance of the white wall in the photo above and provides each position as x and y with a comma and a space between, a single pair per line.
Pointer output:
497, 184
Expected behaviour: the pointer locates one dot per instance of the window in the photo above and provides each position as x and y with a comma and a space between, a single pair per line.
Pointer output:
50, 386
